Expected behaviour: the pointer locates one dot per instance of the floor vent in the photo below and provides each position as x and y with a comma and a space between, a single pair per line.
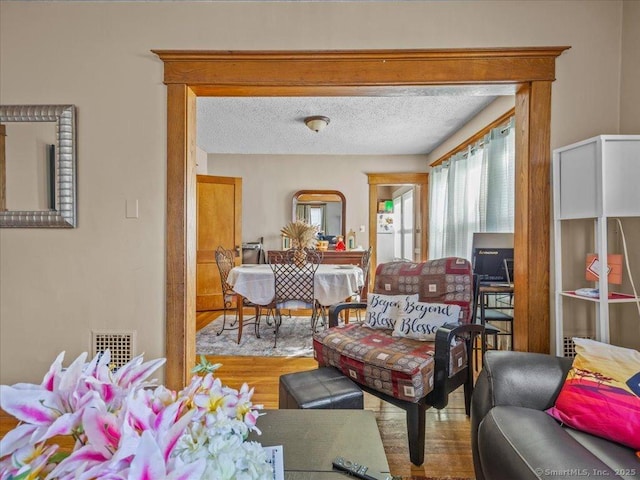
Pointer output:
120, 344
569, 348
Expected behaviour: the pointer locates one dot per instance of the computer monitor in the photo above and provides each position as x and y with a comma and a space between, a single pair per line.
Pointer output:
489, 252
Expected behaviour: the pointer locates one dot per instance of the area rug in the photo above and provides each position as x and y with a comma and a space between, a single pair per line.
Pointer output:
294, 340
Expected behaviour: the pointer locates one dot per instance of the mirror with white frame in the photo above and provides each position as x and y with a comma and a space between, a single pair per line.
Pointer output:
38, 166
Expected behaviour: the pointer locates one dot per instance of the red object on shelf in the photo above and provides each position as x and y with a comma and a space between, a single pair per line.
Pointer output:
614, 268
619, 296
612, 295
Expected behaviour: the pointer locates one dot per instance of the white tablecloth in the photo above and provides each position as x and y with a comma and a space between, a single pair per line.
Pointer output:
332, 283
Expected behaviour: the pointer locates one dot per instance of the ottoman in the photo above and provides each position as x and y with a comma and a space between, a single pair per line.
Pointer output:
323, 387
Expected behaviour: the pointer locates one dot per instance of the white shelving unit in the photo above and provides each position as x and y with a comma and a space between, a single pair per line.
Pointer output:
596, 179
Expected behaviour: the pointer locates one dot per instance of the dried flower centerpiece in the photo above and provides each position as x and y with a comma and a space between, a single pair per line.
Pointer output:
302, 236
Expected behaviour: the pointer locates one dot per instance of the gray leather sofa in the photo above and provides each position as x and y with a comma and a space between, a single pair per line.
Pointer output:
513, 438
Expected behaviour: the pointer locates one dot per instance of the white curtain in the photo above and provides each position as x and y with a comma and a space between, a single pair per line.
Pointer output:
498, 181
437, 209
473, 191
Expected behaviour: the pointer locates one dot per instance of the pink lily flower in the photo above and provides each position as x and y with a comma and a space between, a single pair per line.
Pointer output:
148, 464
123, 430
30, 462
135, 372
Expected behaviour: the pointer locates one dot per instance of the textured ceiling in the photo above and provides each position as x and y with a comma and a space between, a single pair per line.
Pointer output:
399, 125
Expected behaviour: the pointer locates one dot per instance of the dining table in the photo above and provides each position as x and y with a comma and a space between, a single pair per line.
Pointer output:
331, 284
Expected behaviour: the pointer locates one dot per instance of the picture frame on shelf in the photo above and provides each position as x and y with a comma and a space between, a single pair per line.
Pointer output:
351, 240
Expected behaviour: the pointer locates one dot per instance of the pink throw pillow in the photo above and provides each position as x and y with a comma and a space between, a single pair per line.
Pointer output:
601, 394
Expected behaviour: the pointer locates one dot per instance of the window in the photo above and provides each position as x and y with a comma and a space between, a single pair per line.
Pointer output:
404, 219
472, 191
316, 217
313, 214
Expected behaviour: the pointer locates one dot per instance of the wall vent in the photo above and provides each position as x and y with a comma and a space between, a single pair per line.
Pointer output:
569, 348
121, 345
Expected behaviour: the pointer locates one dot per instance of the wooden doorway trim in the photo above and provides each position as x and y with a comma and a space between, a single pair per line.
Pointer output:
410, 178
189, 74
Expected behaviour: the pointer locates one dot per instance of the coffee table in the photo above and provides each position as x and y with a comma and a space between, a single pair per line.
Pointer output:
311, 439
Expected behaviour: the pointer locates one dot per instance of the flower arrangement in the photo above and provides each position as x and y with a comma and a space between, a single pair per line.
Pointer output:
126, 427
302, 234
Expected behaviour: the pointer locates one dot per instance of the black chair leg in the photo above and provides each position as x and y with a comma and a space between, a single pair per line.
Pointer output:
318, 313
224, 321
468, 384
416, 418
277, 322
468, 391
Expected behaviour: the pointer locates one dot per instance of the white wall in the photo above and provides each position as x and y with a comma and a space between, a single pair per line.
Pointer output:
57, 285
201, 161
269, 182
630, 93
624, 318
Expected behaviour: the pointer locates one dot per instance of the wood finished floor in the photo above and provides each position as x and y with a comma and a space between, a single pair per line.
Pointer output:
448, 442
447, 452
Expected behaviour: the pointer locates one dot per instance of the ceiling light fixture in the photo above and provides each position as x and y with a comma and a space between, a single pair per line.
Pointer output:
317, 122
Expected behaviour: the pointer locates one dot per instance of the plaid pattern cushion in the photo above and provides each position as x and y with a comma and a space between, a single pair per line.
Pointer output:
400, 367
445, 280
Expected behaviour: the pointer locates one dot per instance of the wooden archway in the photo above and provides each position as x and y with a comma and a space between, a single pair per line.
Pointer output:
189, 74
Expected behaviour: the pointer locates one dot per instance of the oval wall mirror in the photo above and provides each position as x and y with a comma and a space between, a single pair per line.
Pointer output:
324, 208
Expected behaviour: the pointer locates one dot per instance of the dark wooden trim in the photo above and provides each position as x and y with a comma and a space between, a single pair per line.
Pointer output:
182, 56
396, 178
345, 68
502, 119
532, 211
369, 72
180, 231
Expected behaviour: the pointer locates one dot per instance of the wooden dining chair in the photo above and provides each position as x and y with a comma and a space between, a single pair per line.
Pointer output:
294, 284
